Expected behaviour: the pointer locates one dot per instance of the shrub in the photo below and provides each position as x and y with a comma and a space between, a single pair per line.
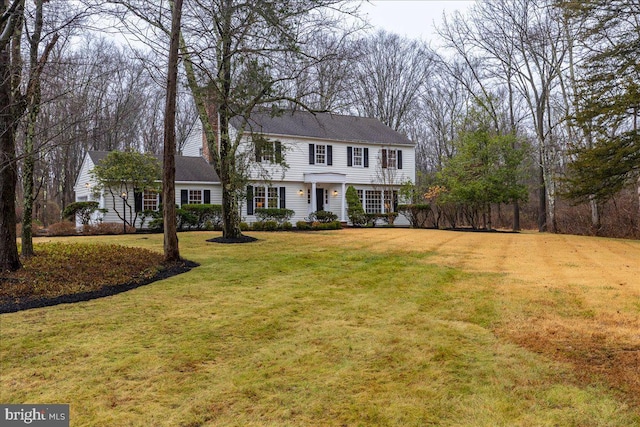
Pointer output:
274, 214
186, 220
303, 225
64, 228
416, 214
103, 228
371, 219
355, 212
286, 226
258, 226
322, 216
335, 225
270, 226
244, 226
389, 217
203, 214
83, 210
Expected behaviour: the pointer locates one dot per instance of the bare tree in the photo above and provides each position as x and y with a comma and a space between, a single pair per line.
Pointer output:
244, 61
171, 249
389, 77
525, 44
11, 15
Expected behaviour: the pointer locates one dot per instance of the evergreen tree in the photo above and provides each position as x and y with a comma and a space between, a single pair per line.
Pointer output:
609, 100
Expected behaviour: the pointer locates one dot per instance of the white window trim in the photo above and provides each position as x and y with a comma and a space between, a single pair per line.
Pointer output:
316, 154
266, 197
353, 157
201, 190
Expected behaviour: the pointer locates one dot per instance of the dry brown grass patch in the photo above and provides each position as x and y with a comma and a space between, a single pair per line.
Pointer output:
571, 298
597, 349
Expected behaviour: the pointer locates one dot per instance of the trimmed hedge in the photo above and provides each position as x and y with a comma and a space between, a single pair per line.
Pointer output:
274, 214
323, 216
189, 217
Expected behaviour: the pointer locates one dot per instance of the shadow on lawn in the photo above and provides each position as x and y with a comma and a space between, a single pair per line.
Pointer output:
12, 305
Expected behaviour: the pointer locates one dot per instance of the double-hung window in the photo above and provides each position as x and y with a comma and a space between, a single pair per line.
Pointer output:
357, 156
195, 197
320, 154
268, 151
272, 198
259, 197
391, 159
150, 201
263, 197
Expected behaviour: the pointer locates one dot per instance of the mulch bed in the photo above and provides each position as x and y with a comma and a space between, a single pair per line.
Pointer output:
241, 239
12, 305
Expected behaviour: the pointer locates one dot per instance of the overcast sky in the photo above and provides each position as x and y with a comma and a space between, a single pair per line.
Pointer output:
414, 19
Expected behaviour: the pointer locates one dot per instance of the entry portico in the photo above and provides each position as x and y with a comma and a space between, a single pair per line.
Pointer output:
327, 178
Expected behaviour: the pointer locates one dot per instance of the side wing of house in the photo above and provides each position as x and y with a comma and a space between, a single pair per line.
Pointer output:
196, 183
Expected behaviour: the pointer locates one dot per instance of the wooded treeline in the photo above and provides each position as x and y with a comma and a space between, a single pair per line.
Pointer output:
556, 80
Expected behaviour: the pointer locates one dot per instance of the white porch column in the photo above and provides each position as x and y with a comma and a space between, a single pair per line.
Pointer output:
314, 202
342, 202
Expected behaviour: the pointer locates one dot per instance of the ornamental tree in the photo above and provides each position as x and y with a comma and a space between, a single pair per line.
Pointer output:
123, 175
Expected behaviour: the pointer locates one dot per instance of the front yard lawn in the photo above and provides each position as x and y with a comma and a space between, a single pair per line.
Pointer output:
374, 327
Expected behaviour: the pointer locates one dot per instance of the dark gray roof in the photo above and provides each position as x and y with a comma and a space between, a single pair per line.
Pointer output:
188, 169
325, 126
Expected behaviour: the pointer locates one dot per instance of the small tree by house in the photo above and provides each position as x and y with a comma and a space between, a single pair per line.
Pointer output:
82, 210
123, 176
355, 211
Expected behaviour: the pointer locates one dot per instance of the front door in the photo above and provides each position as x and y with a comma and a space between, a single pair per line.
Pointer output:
320, 199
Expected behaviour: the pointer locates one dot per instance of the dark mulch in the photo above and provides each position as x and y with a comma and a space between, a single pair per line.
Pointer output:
481, 230
12, 305
241, 239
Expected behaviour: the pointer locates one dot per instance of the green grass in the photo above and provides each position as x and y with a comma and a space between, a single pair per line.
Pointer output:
295, 329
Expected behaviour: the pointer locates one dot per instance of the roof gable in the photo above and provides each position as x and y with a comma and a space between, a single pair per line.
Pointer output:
325, 126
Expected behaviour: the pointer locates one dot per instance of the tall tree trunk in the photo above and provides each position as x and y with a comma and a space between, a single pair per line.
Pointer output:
516, 216
171, 248
596, 223
9, 259
230, 209
27, 181
542, 203
638, 223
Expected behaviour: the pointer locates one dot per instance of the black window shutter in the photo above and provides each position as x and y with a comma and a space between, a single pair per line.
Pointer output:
249, 200
207, 197
366, 157
399, 159
395, 201
349, 156
312, 154
278, 152
283, 203
330, 155
137, 196
258, 149
384, 158
184, 197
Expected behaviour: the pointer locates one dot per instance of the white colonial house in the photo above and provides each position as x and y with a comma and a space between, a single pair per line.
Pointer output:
324, 155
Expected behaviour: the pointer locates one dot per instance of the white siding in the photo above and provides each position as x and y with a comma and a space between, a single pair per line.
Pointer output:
193, 144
